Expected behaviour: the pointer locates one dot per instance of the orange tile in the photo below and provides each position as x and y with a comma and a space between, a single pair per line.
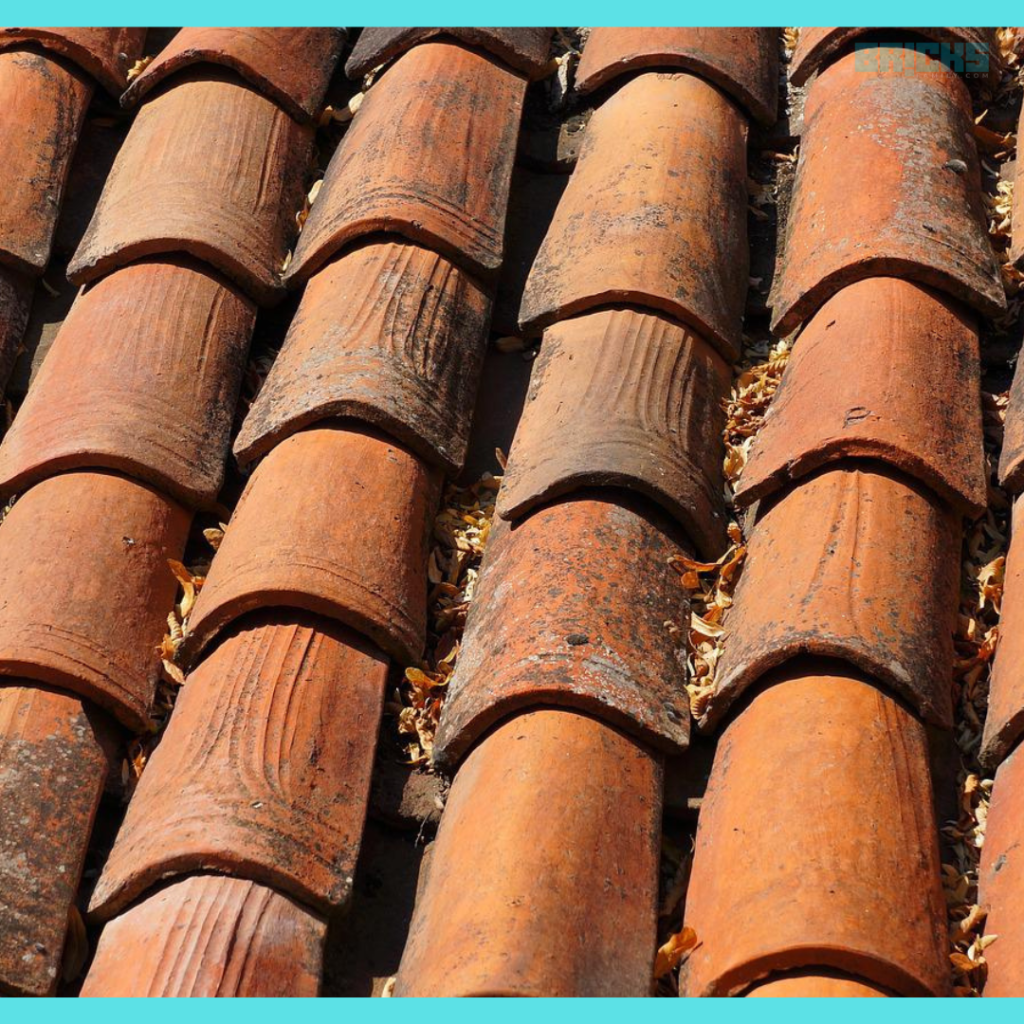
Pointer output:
107, 54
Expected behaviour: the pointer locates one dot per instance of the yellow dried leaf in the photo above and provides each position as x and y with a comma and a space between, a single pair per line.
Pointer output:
672, 953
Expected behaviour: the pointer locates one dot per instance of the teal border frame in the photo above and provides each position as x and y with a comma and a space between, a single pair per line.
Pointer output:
475, 1011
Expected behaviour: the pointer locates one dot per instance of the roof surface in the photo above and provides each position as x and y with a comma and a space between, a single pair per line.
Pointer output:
510, 512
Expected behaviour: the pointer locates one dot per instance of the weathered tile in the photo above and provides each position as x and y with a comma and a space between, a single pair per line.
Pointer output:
428, 157
292, 66
264, 770
1011, 461
817, 826
389, 333
523, 49
207, 935
85, 588
1004, 723
42, 105
543, 878
887, 370
53, 764
625, 399
335, 520
654, 215
815, 984
107, 54
816, 47
888, 184
212, 168
571, 610
742, 62
856, 562
1017, 226
142, 378
1001, 880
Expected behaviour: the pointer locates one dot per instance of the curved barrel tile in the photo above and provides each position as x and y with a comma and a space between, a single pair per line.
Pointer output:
855, 563
429, 157
264, 770
105, 53
654, 215
292, 66
159, 411
543, 880
389, 333
888, 184
742, 62
965, 48
624, 399
817, 824
85, 589
523, 49
212, 168
815, 984
334, 521
571, 610
885, 370
42, 107
210, 936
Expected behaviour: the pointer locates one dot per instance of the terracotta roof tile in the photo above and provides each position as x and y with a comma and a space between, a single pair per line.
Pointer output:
483, 923
624, 399
816, 47
264, 770
523, 49
1004, 724
1011, 461
667, 231
1001, 880
816, 984
211, 168
107, 54
52, 768
899, 364
570, 610
86, 590
901, 199
389, 333
292, 66
783, 881
289, 547
429, 157
818, 581
742, 62
101, 400
1017, 215
42, 105
210, 936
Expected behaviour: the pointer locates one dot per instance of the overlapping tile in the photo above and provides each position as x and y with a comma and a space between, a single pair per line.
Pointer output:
160, 410
963, 47
571, 610
781, 881
42, 106
856, 562
15, 304
293, 547
742, 62
264, 770
390, 333
85, 589
817, 984
624, 399
1001, 879
428, 157
524, 49
208, 935
899, 366
1011, 459
654, 214
566, 909
107, 54
212, 168
53, 763
887, 185
292, 66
